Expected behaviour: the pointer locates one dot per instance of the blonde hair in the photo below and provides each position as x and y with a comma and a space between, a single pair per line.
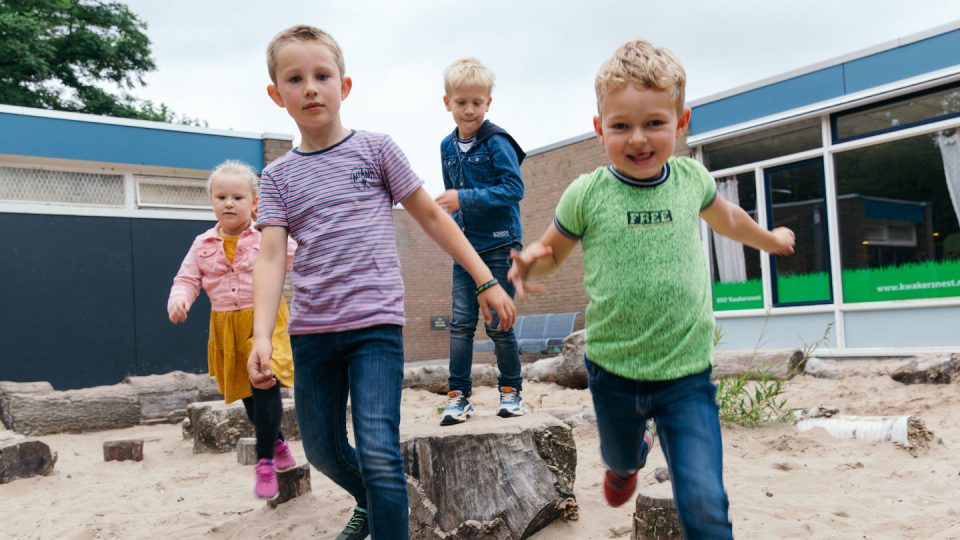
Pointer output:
302, 32
639, 63
467, 72
234, 167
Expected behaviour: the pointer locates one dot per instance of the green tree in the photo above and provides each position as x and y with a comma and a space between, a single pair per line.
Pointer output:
61, 54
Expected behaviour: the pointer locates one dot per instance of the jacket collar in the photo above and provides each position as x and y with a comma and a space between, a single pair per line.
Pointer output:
487, 129
213, 234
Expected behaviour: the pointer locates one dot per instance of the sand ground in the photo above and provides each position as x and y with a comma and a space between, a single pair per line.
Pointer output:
782, 484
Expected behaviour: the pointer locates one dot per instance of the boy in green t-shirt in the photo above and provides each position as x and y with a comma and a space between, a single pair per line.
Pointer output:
649, 323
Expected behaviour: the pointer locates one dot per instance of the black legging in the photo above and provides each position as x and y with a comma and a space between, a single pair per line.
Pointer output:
265, 410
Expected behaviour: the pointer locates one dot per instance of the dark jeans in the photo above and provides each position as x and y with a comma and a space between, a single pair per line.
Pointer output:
265, 411
463, 325
688, 426
367, 365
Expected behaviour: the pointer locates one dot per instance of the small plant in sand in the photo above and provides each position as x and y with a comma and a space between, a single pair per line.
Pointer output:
755, 397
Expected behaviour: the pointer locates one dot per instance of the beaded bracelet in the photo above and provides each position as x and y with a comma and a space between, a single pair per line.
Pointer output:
487, 285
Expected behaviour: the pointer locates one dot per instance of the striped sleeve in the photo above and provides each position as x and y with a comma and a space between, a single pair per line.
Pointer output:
271, 210
398, 178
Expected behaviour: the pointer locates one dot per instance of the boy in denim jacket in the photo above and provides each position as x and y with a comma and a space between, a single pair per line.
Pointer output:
481, 173
649, 323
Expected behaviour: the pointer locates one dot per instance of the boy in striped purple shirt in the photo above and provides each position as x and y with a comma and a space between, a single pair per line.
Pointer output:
333, 195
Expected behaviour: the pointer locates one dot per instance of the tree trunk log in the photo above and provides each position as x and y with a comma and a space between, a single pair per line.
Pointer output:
35, 410
777, 364
656, 515
490, 477
932, 369
164, 398
433, 377
293, 483
909, 432
21, 457
216, 427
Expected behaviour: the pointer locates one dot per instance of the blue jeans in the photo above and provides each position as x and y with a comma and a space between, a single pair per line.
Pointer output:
463, 325
688, 426
367, 365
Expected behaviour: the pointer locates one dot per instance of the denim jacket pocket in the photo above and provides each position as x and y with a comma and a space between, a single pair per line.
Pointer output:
479, 169
208, 261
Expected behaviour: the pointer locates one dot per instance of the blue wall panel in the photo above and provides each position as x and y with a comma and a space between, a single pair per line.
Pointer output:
766, 100
910, 60
888, 66
71, 139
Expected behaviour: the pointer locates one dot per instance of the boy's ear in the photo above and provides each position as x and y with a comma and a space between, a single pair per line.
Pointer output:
683, 122
489, 99
446, 102
346, 84
275, 94
598, 127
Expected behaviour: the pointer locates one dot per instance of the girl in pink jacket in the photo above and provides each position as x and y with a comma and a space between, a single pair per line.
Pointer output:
221, 262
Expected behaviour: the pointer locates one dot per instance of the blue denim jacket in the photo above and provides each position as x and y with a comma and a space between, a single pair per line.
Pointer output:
489, 186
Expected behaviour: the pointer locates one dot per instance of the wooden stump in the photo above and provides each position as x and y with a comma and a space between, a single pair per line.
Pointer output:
21, 457
489, 477
128, 449
656, 514
216, 427
247, 451
293, 483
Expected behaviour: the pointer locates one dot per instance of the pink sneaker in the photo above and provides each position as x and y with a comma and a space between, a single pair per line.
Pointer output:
266, 486
282, 456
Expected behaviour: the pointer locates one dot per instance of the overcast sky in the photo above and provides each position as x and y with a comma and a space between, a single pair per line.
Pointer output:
545, 53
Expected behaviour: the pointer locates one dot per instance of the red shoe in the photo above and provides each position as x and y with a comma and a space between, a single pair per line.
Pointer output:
618, 489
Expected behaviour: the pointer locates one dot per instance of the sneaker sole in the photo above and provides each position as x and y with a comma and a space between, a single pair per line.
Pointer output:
504, 413
450, 420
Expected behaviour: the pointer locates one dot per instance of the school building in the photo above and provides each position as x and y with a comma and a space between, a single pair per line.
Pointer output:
97, 214
858, 155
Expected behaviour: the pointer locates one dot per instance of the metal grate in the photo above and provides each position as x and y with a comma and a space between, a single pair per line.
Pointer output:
171, 193
44, 186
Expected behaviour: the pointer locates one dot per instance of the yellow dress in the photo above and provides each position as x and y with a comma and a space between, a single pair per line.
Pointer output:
231, 339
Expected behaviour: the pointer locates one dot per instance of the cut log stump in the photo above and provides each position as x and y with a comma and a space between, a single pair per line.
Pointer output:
489, 477
37, 409
293, 483
247, 451
434, 377
216, 427
123, 450
22, 457
656, 514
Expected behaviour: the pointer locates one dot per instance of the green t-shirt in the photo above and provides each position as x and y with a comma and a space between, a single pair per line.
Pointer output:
645, 272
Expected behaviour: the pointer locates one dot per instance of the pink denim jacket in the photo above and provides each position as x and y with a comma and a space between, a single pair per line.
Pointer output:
229, 286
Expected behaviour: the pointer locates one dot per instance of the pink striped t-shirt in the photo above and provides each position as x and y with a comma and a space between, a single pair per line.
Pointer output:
336, 203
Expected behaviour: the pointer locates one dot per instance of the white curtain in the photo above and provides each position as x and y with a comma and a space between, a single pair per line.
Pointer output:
950, 151
730, 259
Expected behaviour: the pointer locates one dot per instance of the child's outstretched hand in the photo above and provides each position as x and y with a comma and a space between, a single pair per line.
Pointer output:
520, 270
785, 241
258, 365
449, 200
499, 301
177, 312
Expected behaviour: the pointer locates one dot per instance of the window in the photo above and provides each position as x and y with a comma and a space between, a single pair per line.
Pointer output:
916, 109
796, 198
764, 144
736, 268
898, 205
